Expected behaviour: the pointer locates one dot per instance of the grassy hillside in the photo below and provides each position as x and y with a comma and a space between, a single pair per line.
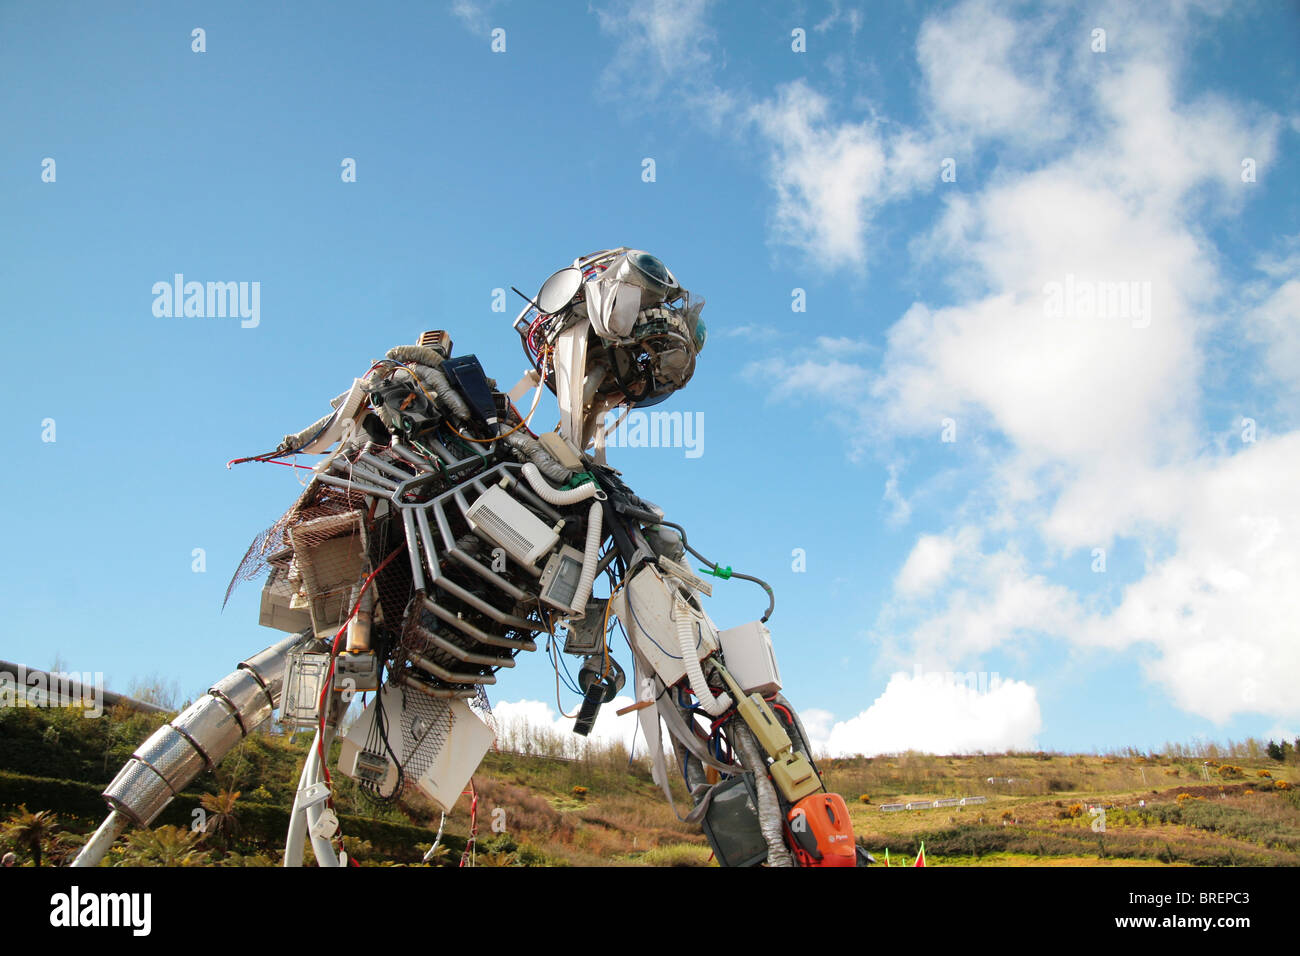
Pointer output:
600, 808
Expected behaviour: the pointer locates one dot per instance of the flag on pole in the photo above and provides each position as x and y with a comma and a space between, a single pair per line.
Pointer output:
920, 857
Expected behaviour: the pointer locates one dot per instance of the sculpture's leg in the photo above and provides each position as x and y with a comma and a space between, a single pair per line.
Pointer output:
197, 740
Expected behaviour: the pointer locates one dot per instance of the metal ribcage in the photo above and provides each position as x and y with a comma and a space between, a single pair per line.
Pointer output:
446, 647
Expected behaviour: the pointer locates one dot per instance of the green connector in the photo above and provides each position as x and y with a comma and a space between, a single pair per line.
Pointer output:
719, 572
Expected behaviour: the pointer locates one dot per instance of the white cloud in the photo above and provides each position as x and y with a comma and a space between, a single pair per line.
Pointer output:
523, 721
1221, 610
900, 509
473, 14
824, 174
927, 565
1275, 324
928, 713
1107, 171
996, 601
852, 17
665, 45
985, 74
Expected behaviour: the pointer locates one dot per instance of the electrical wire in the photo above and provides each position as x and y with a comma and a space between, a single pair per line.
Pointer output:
714, 567
329, 680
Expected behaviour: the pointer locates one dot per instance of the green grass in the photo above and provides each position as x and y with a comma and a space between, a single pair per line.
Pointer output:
57, 760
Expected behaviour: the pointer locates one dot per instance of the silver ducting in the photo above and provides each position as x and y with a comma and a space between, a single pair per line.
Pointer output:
200, 736
138, 792
769, 807
246, 696
211, 726
171, 755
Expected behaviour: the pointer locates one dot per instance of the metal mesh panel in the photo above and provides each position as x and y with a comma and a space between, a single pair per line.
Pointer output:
426, 725
270, 545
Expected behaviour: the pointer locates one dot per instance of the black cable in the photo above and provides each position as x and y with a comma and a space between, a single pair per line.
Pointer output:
713, 565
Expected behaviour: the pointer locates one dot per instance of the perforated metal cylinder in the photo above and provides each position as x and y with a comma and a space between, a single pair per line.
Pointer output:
210, 723
139, 792
269, 665
172, 756
245, 694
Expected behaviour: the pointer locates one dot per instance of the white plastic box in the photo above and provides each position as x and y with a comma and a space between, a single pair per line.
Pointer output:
747, 649
443, 740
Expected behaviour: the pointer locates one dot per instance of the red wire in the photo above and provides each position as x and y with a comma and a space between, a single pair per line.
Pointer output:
329, 680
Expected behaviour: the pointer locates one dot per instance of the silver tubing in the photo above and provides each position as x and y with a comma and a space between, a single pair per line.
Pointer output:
442, 693
384, 467
465, 627
406, 455
413, 549
353, 486
451, 677
469, 657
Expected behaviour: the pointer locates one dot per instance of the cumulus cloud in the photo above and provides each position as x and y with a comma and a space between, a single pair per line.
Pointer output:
1085, 307
1102, 411
930, 713
535, 724
984, 73
927, 565
830, 175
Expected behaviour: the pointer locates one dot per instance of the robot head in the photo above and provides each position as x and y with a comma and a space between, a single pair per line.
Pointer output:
614, 328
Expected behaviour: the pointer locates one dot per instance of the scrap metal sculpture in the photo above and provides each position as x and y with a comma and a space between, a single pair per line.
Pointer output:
439, 537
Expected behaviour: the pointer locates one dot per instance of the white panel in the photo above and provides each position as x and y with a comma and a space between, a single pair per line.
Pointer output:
645, 606
750, 659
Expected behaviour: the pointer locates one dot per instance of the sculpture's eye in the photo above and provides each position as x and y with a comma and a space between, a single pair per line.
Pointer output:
649, 266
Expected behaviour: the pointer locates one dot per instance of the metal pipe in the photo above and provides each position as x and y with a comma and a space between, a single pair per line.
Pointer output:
413, 549
501, 617
97, 846
387, 468
451, 677
406, 455
522, 490
369, 474
441, 693
478, 634
469, 657
348, 485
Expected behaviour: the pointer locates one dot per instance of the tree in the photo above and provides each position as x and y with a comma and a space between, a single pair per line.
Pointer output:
164, 846
1275, 751
31, 831
220, 810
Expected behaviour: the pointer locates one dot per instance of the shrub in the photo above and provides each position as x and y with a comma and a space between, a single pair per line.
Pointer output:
677, 854
580, 792
1263, 773
865, 798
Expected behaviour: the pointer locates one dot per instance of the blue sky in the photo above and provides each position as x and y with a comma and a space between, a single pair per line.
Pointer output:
1160, 429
